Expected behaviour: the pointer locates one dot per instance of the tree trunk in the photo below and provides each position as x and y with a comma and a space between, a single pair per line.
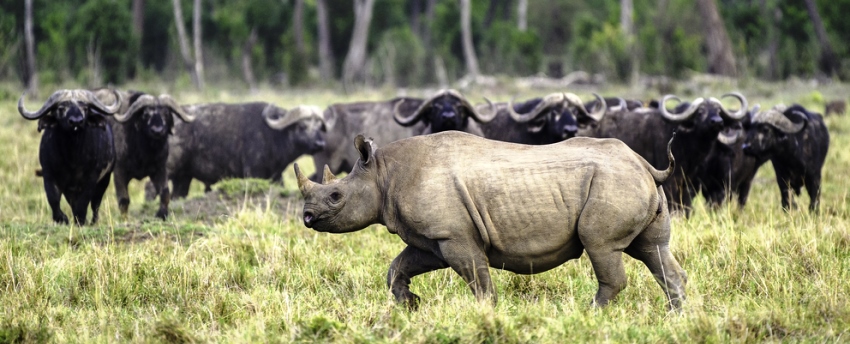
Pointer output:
139, 17
32, 74
522, 15
772, 15
353, 67
627, 12
298, 26
326, 56
720, 58
466, 32
828, 61
199, 51
185, 51
247, 68
416, 17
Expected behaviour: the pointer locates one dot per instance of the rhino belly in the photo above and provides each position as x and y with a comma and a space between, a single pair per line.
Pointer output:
532, 262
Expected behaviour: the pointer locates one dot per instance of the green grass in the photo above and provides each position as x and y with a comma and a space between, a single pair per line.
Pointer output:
237, 265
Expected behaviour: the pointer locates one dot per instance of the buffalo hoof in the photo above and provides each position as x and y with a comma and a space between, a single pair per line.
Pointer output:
60, 218
162, 214
410, 301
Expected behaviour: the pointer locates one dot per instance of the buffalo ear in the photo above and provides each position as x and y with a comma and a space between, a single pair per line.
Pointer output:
366, 147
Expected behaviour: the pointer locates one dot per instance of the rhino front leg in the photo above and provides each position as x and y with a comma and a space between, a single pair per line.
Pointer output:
470, 262
409, 263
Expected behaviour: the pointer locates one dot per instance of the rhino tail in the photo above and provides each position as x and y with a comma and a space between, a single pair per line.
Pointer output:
661, 176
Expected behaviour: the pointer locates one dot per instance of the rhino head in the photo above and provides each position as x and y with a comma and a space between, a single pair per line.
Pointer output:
343, 205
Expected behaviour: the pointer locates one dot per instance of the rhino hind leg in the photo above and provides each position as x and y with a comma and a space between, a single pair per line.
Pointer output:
409, 263
610, 273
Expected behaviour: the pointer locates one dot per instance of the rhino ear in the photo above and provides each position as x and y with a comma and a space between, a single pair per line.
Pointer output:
366, 147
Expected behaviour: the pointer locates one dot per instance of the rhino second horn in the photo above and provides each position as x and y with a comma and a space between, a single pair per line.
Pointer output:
328, 177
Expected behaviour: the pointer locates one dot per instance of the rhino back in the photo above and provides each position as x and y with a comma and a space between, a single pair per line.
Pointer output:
521, 203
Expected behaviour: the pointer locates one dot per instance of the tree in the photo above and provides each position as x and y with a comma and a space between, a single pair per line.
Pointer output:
828, 61
199, 52
466, 31
247, 68
298, 26
522, 15
720, 58
32, 74
326, 56
627, 12
195, 68
138, 17
355, 61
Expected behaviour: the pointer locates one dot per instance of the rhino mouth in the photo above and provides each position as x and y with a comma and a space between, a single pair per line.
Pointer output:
309, 219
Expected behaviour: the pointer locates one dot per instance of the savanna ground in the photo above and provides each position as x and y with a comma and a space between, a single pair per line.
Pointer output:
238, 265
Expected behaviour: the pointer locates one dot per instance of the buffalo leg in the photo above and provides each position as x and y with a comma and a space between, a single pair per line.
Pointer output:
813, 189
97, 198
160, 184
785, 190
409, 263
121, 192
472, 264
53, 199
180, 187
80, 203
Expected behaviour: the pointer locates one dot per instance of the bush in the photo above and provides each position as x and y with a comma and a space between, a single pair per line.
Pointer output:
507, 50
401, 58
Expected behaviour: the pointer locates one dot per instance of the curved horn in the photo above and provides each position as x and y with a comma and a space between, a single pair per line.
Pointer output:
48, 105
477, 116
547, 101
728, 137
304, 184
681, 116
413, 118
139, 104
595, 115
290, 117
778, 119
178, 110
738, 114
108, 110
622, 105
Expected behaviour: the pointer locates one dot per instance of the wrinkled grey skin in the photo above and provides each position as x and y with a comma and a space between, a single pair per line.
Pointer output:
234, 141
374, 119
470, 203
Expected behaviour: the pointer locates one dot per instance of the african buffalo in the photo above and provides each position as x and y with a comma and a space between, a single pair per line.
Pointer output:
141, 145
698, 125
76, 152
553, 118
249, 140
795, 141
345, 121
470, 203
445, 110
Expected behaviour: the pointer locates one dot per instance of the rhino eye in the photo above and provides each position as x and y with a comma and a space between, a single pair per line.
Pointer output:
335, 196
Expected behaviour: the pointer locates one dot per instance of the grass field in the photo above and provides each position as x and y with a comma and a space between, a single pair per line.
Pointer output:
244, 268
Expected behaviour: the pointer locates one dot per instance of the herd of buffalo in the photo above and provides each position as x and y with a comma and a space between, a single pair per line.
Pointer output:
540, 189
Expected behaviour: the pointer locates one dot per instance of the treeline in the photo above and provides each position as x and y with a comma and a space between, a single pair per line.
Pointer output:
418, 42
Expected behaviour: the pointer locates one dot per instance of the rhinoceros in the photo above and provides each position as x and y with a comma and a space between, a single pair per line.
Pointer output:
470, 203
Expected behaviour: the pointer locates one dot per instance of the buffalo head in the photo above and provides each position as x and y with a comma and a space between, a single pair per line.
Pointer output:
772, 127
305, 122
559, 114
446, 110
708, 118
154, 115
343, 205
72, 110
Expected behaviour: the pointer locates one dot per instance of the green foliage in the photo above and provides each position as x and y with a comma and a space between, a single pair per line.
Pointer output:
111, 41
604, 51
401, 58
235, 188
507, 50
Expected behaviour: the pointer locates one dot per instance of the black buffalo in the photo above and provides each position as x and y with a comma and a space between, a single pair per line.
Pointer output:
795, 141
249, 140
141, 145
697, 125
445, 110
553, 118
76, 152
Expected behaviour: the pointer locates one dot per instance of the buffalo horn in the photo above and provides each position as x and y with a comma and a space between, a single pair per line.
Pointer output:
778, 119
48, 105
681, 116
738, 114
90, 98
547, 102
292, 116
178, 110
139, 104
729, 136
477, 116
595, 115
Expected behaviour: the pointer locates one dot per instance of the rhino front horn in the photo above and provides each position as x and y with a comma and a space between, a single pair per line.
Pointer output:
328, 176
304, 184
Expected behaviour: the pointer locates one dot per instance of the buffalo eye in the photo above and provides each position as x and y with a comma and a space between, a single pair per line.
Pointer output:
335, 196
